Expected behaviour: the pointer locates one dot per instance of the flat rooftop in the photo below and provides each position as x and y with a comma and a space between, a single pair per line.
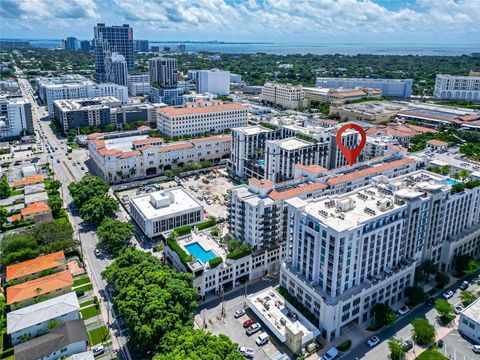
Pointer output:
123, 143
292, 143
253, 130
347, 211
278, 314
452, 157
473, 310
376, 107
178, 201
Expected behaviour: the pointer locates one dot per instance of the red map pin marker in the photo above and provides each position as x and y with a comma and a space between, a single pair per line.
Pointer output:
351, 154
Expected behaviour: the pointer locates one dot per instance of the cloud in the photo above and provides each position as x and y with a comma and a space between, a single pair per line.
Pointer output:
35, 10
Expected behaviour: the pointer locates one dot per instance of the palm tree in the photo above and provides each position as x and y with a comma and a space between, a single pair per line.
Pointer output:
463, 174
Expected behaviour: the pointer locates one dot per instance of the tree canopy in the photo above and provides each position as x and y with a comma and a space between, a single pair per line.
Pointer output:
423, 331
154, 300
115, 235
397, 349
383, 314
96, 209
87, 188
197, 344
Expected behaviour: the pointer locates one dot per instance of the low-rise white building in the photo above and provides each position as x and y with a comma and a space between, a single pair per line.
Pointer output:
136, 157
469, 322
33, 320
458, 87
165, 210
201, 117
284, 95
15, 118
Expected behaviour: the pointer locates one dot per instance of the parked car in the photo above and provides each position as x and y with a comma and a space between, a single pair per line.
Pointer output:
98, 350
248, 323
262, 339
458, 309
97, 252
476, 349
407, 345
403, 310
239, 313
447, 294
373, 341
331, 354
247, 352
430, 301
253, 329
464, 285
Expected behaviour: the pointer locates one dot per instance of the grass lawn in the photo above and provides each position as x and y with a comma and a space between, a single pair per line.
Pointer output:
85, 287
97, 335
86, 303
81, 281
431, 354
73, 145
16, 192
89, 312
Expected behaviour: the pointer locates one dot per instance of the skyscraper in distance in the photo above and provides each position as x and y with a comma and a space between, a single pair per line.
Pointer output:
109, 39
163, 72
71, 43
116, 68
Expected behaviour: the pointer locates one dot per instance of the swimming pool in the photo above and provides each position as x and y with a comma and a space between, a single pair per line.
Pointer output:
261, 163
452, 182
198, 252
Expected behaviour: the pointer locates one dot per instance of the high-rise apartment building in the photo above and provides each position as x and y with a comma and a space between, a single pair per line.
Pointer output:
116, 68
138, 84
458, 87
213, 81
15, 118
85, 45
349, 252
71, 44
163, 72
140, 46
109, 39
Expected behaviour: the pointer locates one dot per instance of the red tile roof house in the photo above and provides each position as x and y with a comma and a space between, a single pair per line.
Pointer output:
34, 291
35, 268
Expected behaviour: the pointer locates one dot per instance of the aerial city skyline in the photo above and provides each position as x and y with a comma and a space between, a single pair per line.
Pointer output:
216, 200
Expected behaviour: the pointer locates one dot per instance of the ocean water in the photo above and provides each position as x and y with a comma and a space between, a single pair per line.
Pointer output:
306, 48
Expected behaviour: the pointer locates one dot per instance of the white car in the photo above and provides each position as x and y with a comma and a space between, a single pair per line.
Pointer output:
403, 310
98, 350
247, 352
373, 341
476, 349
253, 329
447, 294
458, 309
262, 339
239, 313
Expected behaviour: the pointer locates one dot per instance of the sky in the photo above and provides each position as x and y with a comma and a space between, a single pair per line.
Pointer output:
302, 21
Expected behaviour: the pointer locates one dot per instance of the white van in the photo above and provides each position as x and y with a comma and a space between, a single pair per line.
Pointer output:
262, 339
330, 354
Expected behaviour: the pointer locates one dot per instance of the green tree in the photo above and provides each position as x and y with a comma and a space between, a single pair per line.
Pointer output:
423, 332
187, 343
169, 174
383, 314
98, 208
53, 324
415, 295
18, 247
5, 188
467, 297
397, 349
463, 174
87, 188
154, 300
461, 264
56, 204
115, 235
445, 310
442, 279
3, 216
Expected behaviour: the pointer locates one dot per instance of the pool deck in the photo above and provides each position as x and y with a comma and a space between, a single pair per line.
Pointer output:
206, 241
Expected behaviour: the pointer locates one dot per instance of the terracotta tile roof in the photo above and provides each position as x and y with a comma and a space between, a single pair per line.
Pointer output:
95, 135
16, 217
129, 154
147, 141
98, 143
370, 171
34, 209
36, 287
261, 183
105, 151
348, 93
183, 111
143, 127
396, 147
226, 139
145, 147
75, 268
282, 195
470, 117
329, 121
174, 147
311, 168
28, 180
437, 142
210, 138
36, 265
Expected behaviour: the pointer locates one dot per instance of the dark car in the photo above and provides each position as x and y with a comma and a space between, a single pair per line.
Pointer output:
407, 345
430, 301
464, 285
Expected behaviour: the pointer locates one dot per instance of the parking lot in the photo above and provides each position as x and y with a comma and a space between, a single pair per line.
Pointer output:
233, 327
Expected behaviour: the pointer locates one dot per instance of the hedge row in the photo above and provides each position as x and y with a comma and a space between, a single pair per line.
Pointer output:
212, 221
240, 253
215, 262
184, 257
297, 305
183, 230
